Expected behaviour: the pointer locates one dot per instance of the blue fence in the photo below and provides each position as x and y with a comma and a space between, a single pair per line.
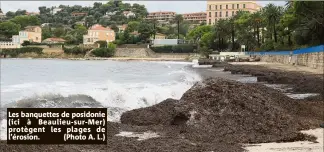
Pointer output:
314, 49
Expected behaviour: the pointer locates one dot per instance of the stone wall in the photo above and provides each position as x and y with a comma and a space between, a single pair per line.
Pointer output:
313, 60
147, 53
131, 52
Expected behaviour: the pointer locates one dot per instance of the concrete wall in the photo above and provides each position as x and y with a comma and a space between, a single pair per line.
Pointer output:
147, 53
131, 52
9, 45
313, 60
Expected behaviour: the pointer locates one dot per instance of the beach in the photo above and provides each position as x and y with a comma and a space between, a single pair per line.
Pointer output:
245, 107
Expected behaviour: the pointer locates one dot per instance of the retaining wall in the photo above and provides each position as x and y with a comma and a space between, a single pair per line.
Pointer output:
311, 57
147, 53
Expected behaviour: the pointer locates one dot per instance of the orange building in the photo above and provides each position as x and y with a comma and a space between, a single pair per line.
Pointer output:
99, 33
224, 9
161, 16
198, 17
31, 34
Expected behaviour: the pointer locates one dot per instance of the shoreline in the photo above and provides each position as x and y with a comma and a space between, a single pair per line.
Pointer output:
111, 59
178, 144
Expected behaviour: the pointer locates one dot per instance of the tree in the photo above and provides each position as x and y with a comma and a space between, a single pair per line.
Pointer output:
9, 28
24, 21
46, 32
133, 26
178, 18
145, 30
272, 13
59, 32
198, 32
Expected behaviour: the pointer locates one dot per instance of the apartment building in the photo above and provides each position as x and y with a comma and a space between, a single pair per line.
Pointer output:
161, 16
99, 33
224, 9
198, 17
31, 34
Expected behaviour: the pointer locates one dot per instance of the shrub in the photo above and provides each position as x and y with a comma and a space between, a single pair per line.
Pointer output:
102, 44
112, 46
181, 48
103, 52
76, 50
25, 43
205, 51
15, 52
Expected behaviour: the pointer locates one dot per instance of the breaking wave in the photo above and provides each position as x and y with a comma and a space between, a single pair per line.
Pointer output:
116, 97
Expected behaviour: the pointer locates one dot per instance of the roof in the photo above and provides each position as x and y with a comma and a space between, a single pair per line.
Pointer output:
162, 12
134, 33
29, 27
55, 39
194, 13
99, 27
160, 34
124, 26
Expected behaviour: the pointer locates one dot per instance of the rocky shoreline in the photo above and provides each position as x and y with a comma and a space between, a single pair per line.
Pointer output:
216, 115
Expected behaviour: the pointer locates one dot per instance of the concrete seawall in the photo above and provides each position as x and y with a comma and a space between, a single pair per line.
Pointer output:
314, 60
147, 53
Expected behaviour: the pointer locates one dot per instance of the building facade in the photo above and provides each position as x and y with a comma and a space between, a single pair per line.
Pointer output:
161, 16
31, 34
195, 17
224, 9
99, 33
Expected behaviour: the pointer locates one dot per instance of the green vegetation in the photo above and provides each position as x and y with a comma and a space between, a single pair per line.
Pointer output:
64, 25
298, 24
105, 51
181, 48
76, 50
15, 52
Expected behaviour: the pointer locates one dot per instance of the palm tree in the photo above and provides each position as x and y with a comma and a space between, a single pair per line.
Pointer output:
154, 21
256, 21
273, 13
178, 18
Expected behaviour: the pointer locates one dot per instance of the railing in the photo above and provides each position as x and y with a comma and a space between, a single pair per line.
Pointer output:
313, 49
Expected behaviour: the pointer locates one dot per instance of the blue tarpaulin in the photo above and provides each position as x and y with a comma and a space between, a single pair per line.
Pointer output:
313, 49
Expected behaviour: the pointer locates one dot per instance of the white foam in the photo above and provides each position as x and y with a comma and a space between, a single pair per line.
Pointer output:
301, 96
140, 136
3, 129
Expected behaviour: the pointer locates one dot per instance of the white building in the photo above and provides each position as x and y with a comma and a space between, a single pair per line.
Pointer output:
129, 14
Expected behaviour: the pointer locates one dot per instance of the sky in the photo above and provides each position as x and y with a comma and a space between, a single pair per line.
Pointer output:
152, 6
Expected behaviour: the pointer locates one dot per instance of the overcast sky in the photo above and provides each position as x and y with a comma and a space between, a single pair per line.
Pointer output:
176, 6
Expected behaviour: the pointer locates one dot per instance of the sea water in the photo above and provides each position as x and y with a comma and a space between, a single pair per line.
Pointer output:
117, 85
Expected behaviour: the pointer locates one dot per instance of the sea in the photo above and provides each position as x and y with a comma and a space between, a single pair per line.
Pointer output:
116, 85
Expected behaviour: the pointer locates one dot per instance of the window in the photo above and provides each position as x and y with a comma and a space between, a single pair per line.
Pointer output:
243, 5
226, 14
220, 6
220, 14
209, 21
233, 6
36, 38
238, 6
216, 7
215, 14
215, 20
232, 13
209, 7
226, 6
209, 14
